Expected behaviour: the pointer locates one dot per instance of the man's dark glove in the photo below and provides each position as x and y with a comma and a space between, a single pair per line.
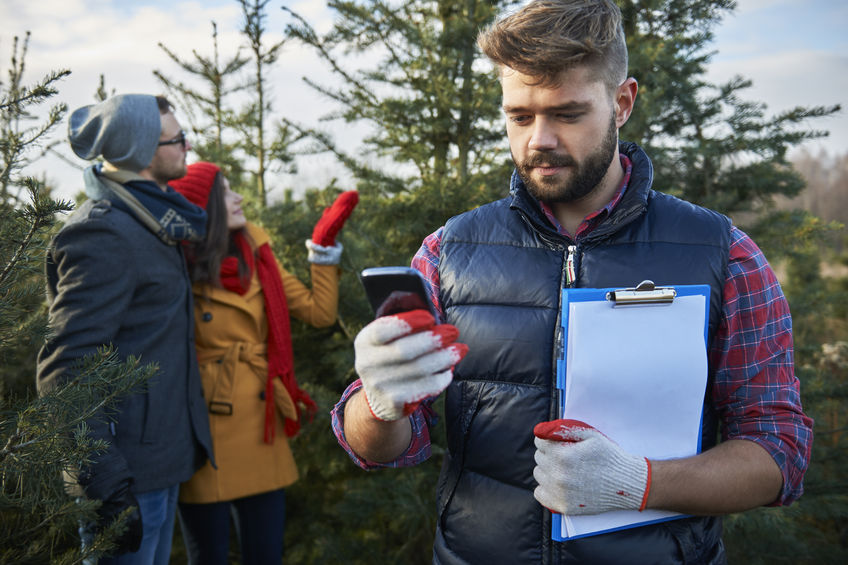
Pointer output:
112, 507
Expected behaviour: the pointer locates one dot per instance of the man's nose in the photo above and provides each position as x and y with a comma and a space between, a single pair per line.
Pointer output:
543, 137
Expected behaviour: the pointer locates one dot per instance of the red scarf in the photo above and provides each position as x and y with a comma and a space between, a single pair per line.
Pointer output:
280, 357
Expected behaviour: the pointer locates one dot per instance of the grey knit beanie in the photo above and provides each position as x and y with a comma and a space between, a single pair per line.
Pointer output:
124, 129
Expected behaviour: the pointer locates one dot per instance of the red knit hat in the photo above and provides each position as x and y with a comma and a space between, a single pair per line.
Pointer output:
197, 183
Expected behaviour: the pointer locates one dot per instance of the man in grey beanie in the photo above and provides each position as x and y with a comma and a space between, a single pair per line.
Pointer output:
116, 276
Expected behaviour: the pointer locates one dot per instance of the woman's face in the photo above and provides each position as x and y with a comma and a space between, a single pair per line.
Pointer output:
232, 202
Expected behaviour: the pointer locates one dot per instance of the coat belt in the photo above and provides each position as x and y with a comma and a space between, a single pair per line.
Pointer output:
253, 354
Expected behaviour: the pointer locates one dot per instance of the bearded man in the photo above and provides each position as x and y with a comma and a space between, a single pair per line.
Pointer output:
581, 213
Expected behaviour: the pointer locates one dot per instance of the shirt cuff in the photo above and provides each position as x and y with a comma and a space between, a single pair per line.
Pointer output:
418, 450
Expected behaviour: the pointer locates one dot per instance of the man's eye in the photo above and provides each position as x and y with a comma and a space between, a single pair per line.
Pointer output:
519, 119
568, 117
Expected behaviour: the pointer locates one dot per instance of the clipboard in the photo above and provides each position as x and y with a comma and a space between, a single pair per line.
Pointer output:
633, 364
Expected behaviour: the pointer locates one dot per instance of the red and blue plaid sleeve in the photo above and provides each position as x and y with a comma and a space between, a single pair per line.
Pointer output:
419, 447
755, 391
426, 261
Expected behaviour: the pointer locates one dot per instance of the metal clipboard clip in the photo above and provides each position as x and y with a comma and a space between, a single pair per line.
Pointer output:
643, 293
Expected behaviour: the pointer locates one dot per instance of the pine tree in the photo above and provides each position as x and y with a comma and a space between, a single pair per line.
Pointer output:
23, 220
17, 139
229, 108
208, 108
433, 109
709, 145
258, 142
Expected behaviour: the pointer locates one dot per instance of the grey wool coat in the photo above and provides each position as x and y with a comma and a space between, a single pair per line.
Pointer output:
112, 281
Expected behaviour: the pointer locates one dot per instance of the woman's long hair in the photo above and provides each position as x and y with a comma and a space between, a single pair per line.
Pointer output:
205, 257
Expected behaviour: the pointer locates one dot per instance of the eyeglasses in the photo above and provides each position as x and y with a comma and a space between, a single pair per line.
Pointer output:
181, 139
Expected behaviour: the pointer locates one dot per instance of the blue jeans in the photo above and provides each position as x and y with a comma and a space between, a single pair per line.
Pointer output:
157, 508
260, 522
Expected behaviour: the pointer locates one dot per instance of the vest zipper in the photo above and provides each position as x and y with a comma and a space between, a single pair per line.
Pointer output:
570, 272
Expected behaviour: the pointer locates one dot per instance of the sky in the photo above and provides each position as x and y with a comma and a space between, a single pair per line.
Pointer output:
796, 54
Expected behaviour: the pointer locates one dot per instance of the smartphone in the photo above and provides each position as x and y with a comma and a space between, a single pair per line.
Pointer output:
396, 289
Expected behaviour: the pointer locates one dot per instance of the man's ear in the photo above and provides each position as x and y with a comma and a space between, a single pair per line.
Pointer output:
625, 98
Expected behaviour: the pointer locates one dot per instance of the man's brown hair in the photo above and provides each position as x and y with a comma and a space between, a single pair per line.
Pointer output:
164, 104
547, 37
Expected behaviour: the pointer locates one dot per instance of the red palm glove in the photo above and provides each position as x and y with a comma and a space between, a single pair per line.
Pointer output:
333, 219
582, 471
404, 358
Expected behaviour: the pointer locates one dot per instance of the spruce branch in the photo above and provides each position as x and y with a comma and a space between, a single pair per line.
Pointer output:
40, 214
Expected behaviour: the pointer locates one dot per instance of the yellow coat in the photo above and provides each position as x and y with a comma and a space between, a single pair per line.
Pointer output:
231, 332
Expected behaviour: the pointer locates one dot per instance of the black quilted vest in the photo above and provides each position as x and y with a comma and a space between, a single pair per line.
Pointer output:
502, 268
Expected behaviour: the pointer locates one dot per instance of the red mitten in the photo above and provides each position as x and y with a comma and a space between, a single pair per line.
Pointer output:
333, 218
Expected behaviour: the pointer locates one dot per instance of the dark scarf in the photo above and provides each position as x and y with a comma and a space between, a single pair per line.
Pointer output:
166, 213
280, 356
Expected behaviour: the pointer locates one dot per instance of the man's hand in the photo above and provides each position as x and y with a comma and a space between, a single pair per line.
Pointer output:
403, 359
582, 471
111, 508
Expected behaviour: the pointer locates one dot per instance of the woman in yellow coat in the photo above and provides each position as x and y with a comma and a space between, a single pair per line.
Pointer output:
242, 303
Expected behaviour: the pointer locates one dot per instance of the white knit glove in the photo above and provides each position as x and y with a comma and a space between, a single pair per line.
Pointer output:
324, 255
403, 359
582, 471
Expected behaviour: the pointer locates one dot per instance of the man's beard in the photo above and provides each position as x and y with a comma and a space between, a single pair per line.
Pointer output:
163, 174
585, 177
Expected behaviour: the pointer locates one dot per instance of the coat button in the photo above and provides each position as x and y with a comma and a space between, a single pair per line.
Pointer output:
262, 395
207, 316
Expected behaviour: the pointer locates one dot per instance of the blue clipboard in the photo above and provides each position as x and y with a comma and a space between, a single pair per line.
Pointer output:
633, 363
